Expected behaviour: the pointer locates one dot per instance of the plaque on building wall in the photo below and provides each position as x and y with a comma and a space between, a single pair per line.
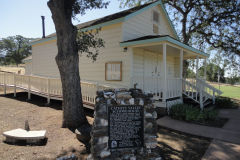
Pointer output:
125, 127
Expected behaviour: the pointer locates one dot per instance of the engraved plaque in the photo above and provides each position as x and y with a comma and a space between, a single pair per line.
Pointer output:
125, 127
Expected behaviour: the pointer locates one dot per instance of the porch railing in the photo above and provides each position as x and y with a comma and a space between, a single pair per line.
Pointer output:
155, 85
200, 91
51, 88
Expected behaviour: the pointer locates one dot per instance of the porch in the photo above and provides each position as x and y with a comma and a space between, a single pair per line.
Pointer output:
158, 69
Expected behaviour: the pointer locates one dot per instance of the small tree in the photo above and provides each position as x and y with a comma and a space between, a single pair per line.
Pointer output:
69, 43
15, 48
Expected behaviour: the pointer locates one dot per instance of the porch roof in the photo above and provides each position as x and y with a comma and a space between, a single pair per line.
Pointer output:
154, 39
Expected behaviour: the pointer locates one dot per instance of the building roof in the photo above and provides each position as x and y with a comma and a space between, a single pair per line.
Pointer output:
106, 18
114, 18
160, 38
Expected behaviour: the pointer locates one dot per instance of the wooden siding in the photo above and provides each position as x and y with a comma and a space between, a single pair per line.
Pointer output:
142, 25
28, 68
112, 52
43, 60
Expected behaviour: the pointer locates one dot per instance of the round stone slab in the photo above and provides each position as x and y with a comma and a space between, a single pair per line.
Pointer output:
22, 134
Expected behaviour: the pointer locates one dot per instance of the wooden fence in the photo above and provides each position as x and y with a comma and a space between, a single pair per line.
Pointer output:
50, 88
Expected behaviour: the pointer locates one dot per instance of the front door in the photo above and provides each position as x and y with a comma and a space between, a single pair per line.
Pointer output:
151, 72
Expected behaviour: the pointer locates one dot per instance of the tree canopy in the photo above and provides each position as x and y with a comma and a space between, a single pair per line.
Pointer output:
14, 49
201, 23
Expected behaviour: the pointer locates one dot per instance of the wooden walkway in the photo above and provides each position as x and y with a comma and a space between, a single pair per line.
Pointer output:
50, 88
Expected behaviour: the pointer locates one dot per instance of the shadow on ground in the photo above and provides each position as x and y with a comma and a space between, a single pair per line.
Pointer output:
180, 146
24, 143
42, 102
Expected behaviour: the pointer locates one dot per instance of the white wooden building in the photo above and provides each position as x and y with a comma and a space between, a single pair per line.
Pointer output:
141, 47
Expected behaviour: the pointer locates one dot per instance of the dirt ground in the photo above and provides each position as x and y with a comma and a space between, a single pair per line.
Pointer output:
14, 112
17, 70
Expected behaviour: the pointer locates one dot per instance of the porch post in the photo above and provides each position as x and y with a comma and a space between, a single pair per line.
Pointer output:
197, 67
205, 68
164, 72
181, 72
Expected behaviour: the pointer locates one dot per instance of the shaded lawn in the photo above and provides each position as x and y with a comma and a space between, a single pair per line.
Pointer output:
229, 91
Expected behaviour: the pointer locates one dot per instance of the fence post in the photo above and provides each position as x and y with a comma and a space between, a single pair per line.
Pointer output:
48, 91
29, 88
14, 81
5, 85
201, 100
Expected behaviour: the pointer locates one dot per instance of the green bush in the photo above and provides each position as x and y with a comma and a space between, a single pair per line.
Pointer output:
210, 114
178, 111
224, 102
192, 114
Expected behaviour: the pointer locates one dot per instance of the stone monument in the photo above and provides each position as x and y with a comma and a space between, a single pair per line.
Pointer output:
124, 126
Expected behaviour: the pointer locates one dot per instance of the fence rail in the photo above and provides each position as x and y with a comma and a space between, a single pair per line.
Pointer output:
51, 88
155, 85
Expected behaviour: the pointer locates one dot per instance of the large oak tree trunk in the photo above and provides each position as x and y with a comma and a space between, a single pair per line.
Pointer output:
68, 63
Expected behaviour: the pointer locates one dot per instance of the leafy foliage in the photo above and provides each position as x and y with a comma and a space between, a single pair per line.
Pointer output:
212, 72
192, 114
89, 43
15, 49
80, 6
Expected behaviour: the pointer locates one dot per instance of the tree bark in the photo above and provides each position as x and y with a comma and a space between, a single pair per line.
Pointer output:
68, 63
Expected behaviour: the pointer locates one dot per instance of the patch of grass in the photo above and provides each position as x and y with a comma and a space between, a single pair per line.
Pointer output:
229, 91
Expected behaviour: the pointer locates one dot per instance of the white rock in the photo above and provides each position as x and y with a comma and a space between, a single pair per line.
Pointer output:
148, 115
105, 154
149, 125
97, 99
154, 114
141, 102
133, 158
103, 122
103, 140
90, 157
131, 101
122, 102
151, 145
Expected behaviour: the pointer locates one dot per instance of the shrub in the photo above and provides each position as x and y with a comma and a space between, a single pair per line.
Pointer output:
178, 111
224, 102
192, 114
210, 114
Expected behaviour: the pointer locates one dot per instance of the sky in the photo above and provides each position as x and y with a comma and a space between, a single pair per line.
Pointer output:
23, 17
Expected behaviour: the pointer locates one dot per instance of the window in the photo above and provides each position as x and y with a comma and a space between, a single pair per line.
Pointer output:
155, 29
113, 71
155, 17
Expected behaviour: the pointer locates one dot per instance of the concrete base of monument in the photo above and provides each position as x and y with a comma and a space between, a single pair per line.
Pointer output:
30, 137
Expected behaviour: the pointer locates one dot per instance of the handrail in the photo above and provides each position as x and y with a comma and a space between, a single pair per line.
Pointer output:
202, 90
50, 88
209, 86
